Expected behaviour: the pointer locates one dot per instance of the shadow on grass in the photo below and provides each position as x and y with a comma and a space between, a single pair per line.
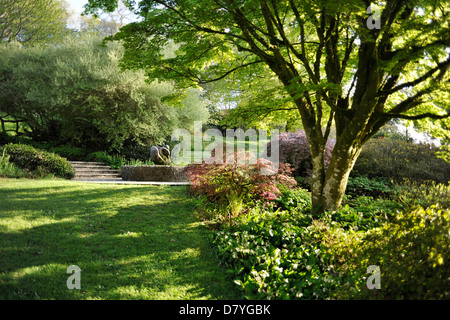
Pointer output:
130, 243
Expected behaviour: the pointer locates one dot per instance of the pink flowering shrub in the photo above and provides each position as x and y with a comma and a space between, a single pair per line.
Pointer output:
295, 150
233, 187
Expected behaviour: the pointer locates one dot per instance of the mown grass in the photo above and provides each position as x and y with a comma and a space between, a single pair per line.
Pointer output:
130, 241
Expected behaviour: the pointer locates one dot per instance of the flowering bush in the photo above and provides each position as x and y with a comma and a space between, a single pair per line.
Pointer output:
232, 186
295, 150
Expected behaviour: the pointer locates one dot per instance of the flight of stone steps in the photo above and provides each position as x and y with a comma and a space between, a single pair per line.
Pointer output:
94, 171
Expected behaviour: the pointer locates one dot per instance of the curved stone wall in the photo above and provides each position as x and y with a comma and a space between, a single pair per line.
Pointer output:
154, 173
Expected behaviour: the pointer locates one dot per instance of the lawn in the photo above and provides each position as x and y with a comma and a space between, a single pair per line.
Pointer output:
130, 241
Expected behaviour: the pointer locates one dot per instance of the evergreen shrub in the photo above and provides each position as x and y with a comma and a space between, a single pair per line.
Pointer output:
39, 162
397, 160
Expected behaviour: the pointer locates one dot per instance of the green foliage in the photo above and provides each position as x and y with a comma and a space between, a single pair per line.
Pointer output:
39, 162
412, 252
277, 255
33, 22
293, 199
363, 213
374, 187
9, 169
425, 194
444, 152
115, 161
77, 94
289, 254
397, 159
101, 156
74, 154
135, 151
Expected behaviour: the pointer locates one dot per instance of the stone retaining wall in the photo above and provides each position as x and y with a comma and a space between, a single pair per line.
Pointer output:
154, 173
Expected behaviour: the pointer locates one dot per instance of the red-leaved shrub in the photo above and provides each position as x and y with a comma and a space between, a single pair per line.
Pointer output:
233, 186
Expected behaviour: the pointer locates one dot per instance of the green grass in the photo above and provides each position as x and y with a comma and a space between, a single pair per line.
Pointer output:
130, 241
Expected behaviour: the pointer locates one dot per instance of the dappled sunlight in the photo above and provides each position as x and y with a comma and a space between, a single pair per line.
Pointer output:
131, 242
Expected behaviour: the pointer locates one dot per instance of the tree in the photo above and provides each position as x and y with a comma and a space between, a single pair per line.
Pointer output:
106, 24
32, 22
76, 93
338, 61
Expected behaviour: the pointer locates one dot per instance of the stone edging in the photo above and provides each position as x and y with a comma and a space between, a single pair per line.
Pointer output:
155, 173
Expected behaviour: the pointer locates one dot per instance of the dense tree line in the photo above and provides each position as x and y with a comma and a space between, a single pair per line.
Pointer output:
74, 92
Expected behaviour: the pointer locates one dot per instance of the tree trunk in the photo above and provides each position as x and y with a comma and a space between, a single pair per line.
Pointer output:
328, 189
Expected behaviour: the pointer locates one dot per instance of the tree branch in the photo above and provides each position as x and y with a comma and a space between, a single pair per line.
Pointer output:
416, 117
200, 81
441, 66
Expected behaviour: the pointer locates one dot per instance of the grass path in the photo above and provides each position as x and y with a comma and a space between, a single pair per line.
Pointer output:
130, 241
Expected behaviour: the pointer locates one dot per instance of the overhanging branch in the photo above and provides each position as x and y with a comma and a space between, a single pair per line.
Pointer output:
415, 117
441, 66
200, 81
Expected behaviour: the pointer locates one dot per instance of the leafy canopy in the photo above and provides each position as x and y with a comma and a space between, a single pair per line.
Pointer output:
33, 22
76, 92
329, 61
314, 47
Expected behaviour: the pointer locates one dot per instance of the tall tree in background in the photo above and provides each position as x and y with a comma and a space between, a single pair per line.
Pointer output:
33, 22
106, 24
339, 62
76, 93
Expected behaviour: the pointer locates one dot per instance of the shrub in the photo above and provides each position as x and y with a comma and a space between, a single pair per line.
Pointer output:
375, 187
134, 151
9, 169
101, 156
39, 162
290, 255
363, 213
399, 159
412, 252
293, 199
233, 186
294, 149
74, 154
279, 255
425, 194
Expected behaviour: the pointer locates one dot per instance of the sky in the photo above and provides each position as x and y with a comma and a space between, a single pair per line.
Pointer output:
77, 5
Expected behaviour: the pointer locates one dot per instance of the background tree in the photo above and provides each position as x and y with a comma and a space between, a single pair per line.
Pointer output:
75, 93
105, 24
33, 22
335, 61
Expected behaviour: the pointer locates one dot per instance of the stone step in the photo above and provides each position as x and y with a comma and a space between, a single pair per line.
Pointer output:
90, 166
94, 171
96, 175
88, 162
79, 164
108, 169
92, 177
